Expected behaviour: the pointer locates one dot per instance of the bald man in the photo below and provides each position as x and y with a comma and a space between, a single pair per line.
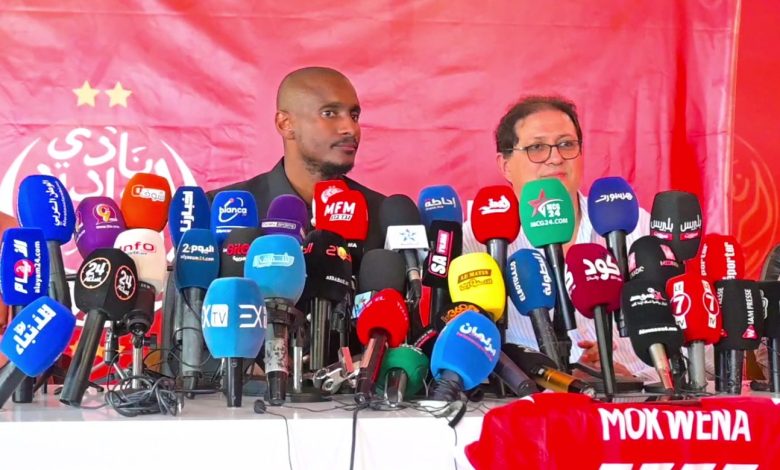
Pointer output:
317, 116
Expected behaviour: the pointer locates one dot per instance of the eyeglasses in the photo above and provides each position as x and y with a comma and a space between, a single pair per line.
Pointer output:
540, 153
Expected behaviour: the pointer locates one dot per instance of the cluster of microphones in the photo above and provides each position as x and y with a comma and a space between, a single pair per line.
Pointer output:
248, 288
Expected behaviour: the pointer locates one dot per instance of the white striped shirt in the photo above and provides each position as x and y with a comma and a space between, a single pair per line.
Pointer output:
520, 330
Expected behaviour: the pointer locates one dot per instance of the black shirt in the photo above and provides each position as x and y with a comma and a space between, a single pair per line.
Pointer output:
266, 186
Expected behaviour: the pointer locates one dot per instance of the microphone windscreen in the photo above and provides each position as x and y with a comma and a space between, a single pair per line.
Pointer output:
612, 206
695, 308
189, 209
721, 258
652, 259
382, 269
446, 240
288, 207
107, 280
197, 259
328, 266
283, 227
527, 359
495, 214
145, 202
398, 209
98, 222
439, 203
648, 319
234, 250
44, 202
452, 310
38, 335
468, 345
230, 210
676, 219
742, 309
408, 359
234, 318
528, 282
346, 213
476, 278
24, 266
385, 311
323, 190
146, 248
276, 264
596, 278
546, 212
771, 295
771, 269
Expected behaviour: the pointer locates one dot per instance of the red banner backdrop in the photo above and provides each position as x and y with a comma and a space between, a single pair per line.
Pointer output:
94, 92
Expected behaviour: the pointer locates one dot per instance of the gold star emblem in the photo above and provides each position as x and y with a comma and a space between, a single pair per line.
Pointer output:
86, 94
118, 96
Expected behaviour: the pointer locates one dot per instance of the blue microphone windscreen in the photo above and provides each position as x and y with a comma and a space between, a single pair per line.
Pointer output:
528, 281
612, 205
44, 202
232, 209
197, 259
468, 345
24, 266
189, 209
38, 335
276, 263
234, 318
439, 203
290, 207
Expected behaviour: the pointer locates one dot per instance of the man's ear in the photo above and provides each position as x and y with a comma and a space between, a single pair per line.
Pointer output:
283, 123
503, 166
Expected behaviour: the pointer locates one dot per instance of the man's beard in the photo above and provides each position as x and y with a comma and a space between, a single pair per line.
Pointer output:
326, 170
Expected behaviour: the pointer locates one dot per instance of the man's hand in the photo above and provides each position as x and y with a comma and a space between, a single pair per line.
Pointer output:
591, 358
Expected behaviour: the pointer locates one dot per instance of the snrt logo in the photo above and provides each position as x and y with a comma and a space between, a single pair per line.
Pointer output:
231, 209
105, 214
496, 206
156, 195
479, 339
340, 211
612, 197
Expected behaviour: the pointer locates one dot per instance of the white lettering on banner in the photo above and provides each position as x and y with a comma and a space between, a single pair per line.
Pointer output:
644, 423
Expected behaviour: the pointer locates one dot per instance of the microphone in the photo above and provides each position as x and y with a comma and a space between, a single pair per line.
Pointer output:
346, 214
44, 202
464, 355
287, 215
532, 292
495, 221
402, 373
34, 340
328, 280
404, 232
384, 322
196, 266
614, 212
652, 259
230, 210
234, 250
106, 288
476, 278
323, 190
676, 219
743, 325
771, 295
547, 216
544, 371
651, 327
189, 209
721, 258
234, 322
595, 292
381, 269
446, 242
697, 314
98, 222
145, 202
277, 265
146, 248
439, 203
24, 277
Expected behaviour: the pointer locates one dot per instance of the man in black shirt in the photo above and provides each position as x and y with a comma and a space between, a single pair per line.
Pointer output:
317, 112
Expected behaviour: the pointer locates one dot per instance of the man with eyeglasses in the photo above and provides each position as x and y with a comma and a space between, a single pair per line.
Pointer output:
540, 137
